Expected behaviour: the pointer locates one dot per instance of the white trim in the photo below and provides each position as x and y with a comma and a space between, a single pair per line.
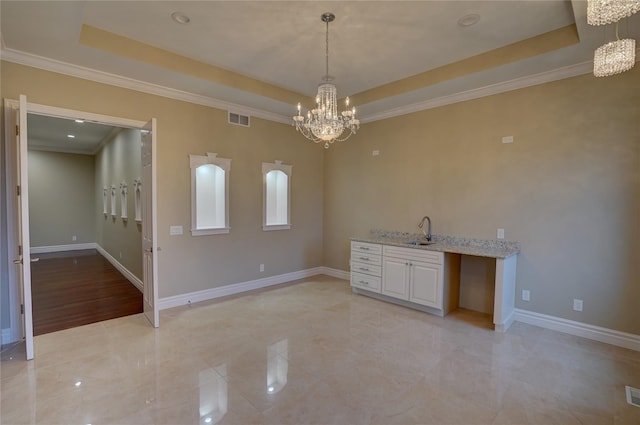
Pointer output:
90, 74
7, 336
597, 333
508, 321
271, 227
505, 86
237, 288
122, 269
216, 231
60, 248
9, 145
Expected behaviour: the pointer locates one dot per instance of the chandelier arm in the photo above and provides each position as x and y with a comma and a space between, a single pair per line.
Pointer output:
308, 134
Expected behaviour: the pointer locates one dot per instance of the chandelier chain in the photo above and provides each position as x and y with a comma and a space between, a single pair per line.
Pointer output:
327, 52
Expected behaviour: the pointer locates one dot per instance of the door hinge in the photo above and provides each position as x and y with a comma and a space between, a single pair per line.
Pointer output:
21, 308
17, 130
19, 249
18, 190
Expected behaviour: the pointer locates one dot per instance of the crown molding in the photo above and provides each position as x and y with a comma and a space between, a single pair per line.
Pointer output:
60, 67
48, 64
505, 86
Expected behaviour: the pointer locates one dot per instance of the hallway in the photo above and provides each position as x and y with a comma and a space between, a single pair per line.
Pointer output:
75, 288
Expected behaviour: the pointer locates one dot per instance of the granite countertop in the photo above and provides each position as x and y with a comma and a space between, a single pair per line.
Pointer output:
478, 247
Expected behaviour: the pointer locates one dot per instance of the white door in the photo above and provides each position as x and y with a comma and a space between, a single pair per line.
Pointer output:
23, 262
149, 233
425, 284
395, 279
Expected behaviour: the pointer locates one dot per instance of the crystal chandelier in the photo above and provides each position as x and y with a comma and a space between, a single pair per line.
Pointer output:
602, 12
614, 57
619, 55
323, 123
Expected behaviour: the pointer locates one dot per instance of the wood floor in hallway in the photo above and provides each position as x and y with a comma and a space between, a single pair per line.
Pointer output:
75, 288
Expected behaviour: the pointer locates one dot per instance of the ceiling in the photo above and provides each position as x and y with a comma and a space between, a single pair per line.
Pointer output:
389, 56
51, 134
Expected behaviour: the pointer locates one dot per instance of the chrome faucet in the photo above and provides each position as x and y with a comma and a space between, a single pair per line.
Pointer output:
427, 234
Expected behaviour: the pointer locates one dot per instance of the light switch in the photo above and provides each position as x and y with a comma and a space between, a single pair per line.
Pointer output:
507, 139
175, 230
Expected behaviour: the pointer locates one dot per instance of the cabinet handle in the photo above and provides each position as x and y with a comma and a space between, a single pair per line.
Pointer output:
364, 258
364, 248
364, 269
362, 282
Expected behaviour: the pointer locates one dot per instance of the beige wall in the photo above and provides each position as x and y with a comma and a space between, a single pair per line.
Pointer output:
119, 161
568, 189
61, 198
187, 263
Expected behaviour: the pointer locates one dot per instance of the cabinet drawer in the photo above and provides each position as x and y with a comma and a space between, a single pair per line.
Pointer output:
370, 248
371, 283
365, 257
414, 254
366, 268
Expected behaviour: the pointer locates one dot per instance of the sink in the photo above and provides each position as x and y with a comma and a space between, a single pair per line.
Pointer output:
420, 243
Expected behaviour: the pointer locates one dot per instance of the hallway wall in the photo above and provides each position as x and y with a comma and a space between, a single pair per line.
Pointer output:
61, 205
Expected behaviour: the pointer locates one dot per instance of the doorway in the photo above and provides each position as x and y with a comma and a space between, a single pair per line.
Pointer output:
80, 244
19, 252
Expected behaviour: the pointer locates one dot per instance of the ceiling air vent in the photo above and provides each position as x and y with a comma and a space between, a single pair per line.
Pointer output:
238, 119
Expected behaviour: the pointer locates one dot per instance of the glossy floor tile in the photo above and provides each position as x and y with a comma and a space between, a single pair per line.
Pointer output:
314, 353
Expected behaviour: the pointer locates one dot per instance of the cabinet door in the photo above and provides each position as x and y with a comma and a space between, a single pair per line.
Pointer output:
395, 280
425, 284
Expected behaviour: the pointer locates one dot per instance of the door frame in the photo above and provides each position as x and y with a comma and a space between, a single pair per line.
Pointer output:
10, 105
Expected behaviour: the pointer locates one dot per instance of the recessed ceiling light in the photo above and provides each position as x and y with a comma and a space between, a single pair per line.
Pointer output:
468, 20
180, 18
71, 136
79, 121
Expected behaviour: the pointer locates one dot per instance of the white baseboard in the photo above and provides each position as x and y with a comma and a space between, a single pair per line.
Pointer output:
122, 269
340, 274
597, 333
507, 323
59, 248
237, 288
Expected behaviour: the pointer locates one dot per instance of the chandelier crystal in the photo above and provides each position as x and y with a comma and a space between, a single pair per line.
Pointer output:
603, 12
324, 123
614, 57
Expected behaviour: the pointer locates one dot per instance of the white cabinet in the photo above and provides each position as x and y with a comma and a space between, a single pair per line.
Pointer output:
426, 284
366, 266
413, 275
395, 281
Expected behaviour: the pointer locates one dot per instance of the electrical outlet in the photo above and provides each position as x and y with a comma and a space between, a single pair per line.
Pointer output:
500, 233
507, 139
375, 153
526, 295
577, 305
261, 267
73, 238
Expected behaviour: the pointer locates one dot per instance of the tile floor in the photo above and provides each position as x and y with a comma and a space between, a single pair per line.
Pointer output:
314, 353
